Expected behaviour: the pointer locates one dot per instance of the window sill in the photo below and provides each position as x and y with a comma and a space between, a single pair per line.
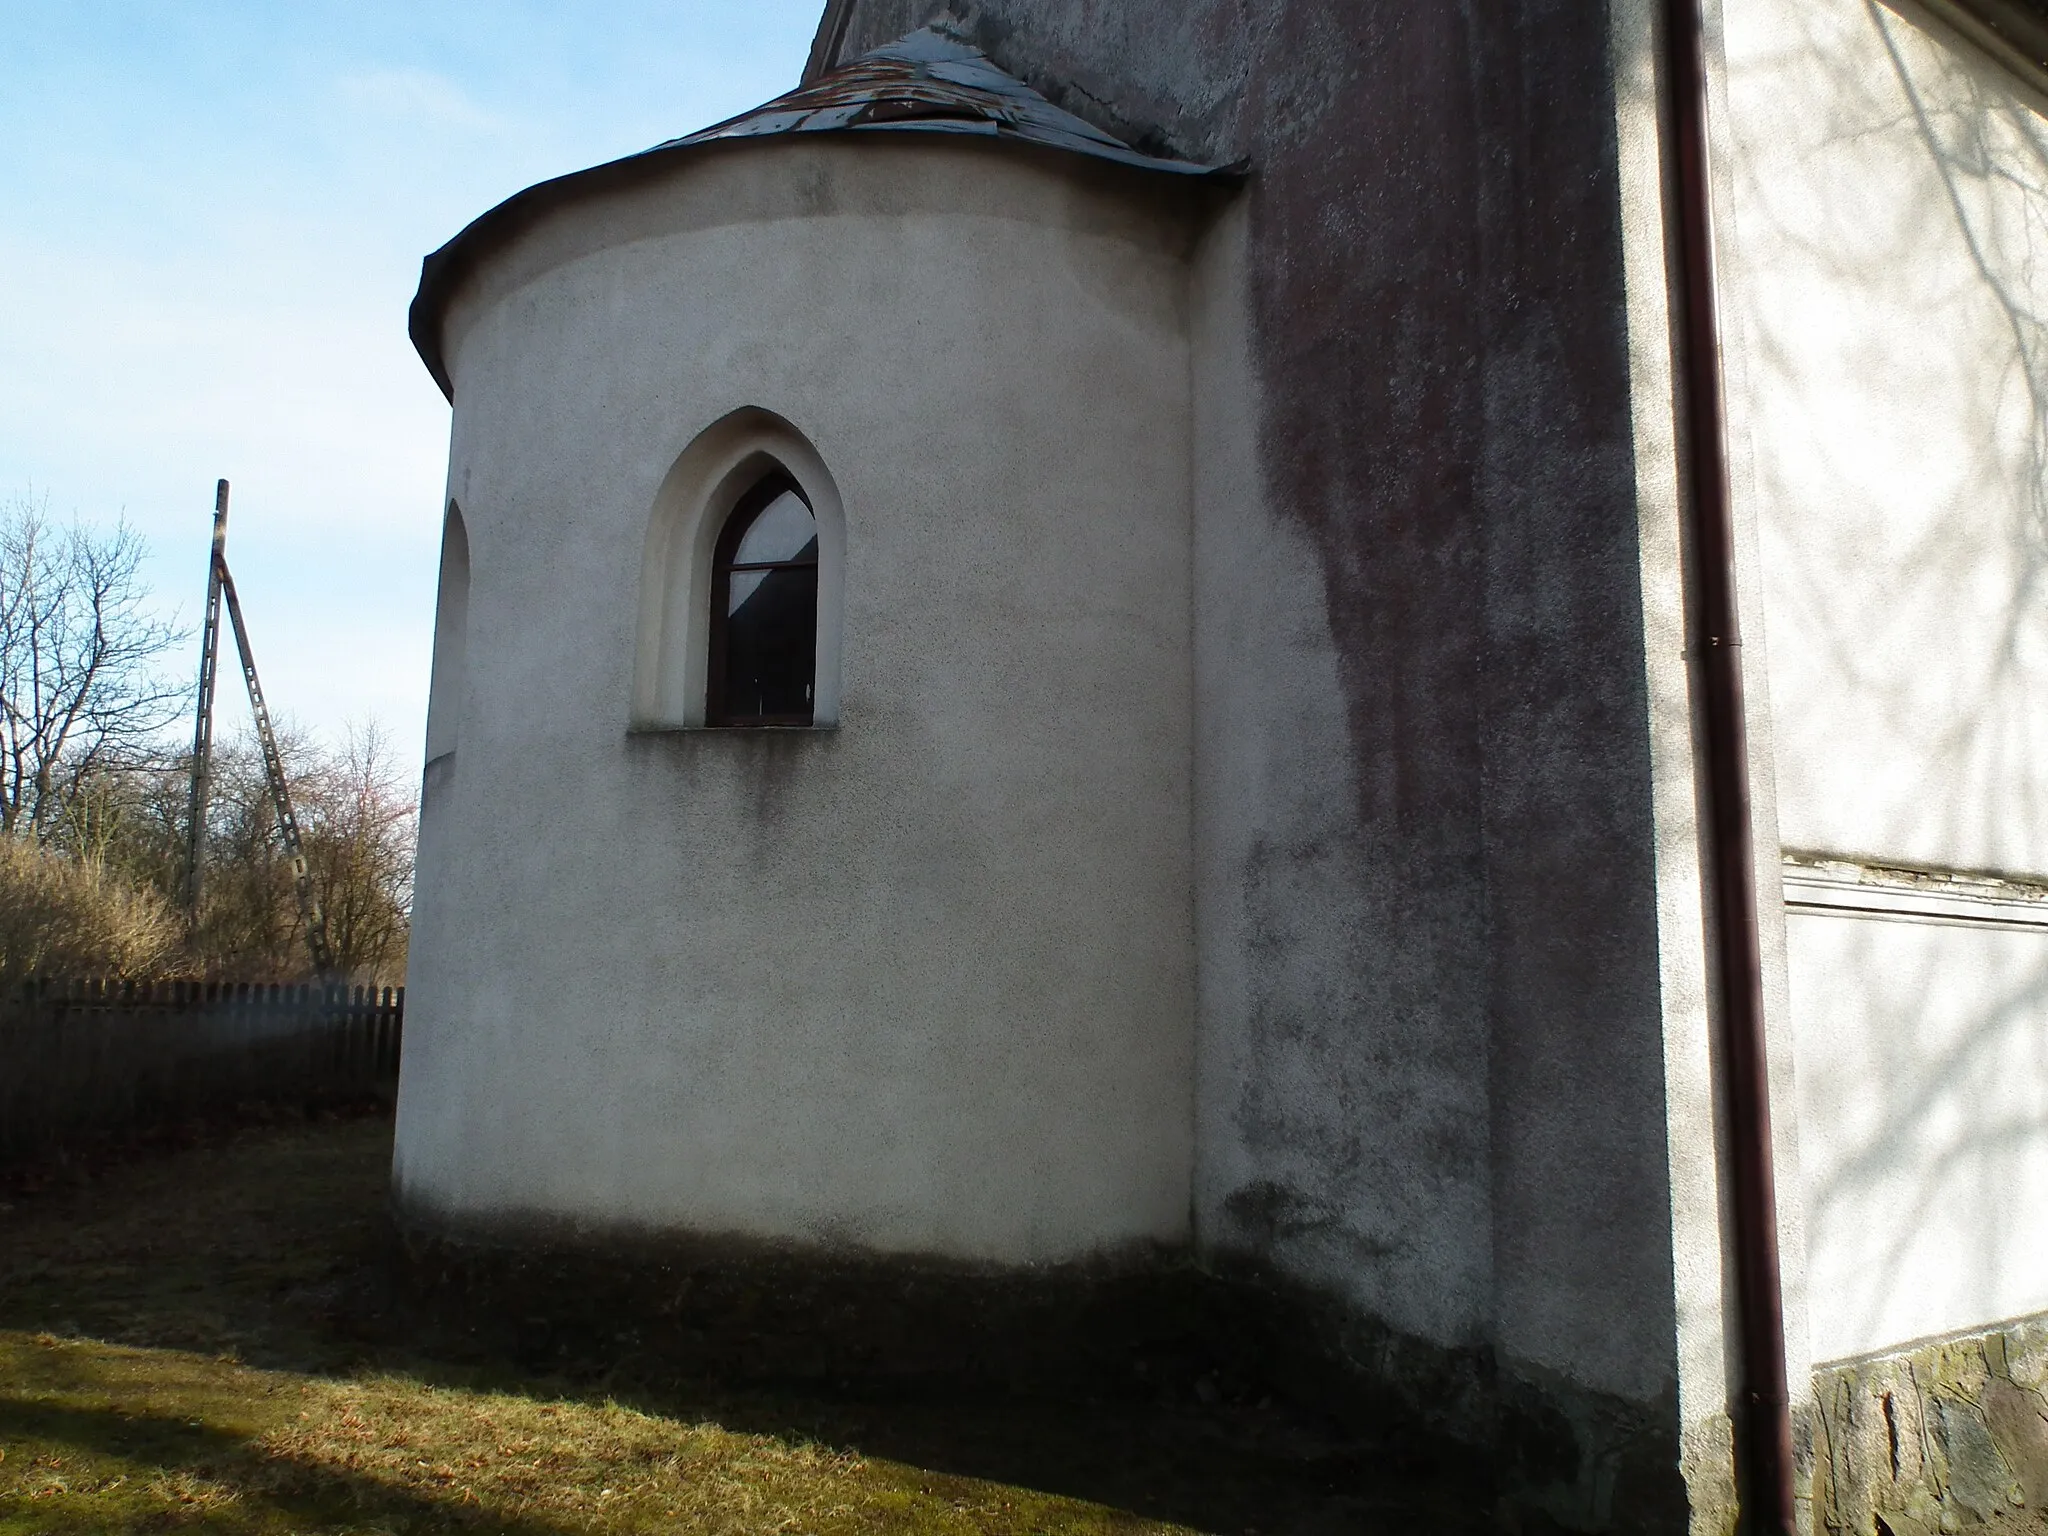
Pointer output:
817, 729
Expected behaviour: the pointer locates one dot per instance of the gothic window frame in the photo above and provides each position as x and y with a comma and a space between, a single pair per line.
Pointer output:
753, 504
671, 646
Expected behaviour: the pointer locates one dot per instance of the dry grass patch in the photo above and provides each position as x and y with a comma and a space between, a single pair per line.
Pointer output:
99, 1438
215, 1340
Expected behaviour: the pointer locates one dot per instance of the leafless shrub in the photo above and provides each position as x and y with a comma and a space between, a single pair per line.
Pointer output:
63, 916
359, 827
356, 822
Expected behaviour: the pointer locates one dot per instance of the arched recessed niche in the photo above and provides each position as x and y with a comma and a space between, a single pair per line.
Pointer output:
733, 458
451, 635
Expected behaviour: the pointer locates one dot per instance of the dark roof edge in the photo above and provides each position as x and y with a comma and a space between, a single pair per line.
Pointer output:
830, 40
444, 271
2015, 32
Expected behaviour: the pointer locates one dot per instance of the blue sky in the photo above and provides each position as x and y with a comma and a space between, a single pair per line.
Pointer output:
211, 221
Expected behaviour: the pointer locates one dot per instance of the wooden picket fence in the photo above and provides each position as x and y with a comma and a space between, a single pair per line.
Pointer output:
88, 1058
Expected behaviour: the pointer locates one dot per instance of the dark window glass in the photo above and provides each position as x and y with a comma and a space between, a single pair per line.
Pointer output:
764, 609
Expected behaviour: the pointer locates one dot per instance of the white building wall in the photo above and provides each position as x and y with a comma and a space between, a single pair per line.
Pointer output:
1886, 287
1923, 1066
923, 983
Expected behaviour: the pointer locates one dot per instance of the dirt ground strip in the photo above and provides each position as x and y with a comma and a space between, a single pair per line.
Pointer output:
213, 1339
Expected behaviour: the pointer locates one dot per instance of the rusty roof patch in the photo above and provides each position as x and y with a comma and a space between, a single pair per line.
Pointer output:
930, 83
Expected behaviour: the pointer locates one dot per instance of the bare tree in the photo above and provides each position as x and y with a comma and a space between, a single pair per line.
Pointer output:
356, 821
80, 688
361, 828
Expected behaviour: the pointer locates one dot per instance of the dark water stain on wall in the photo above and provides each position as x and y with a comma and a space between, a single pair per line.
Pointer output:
1437, 306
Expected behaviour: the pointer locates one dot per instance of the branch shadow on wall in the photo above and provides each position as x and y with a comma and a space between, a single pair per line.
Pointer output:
1969, 1115
1891, 283
1945, 1081
1990, 152
1896, 304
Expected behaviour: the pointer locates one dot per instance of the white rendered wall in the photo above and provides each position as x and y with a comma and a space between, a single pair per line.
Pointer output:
1923, 1074
1886, 284
922, 983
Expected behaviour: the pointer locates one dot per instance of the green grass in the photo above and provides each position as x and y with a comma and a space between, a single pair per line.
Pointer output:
209, 1340
104, 1438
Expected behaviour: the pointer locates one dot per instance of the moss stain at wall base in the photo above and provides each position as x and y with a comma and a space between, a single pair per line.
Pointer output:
1947, 1436
1147, 1324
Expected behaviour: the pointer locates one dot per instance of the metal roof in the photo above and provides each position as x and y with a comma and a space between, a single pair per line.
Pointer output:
930, 83
924, 83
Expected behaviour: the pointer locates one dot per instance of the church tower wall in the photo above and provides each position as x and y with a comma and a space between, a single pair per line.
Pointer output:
917, 983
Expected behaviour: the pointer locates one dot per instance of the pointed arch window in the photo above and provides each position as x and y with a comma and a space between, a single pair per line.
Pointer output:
764, 609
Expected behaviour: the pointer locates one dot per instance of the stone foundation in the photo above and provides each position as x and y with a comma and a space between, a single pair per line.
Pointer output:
1941, 1437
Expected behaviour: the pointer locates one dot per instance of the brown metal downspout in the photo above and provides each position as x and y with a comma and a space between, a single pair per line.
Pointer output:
1764, 1450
